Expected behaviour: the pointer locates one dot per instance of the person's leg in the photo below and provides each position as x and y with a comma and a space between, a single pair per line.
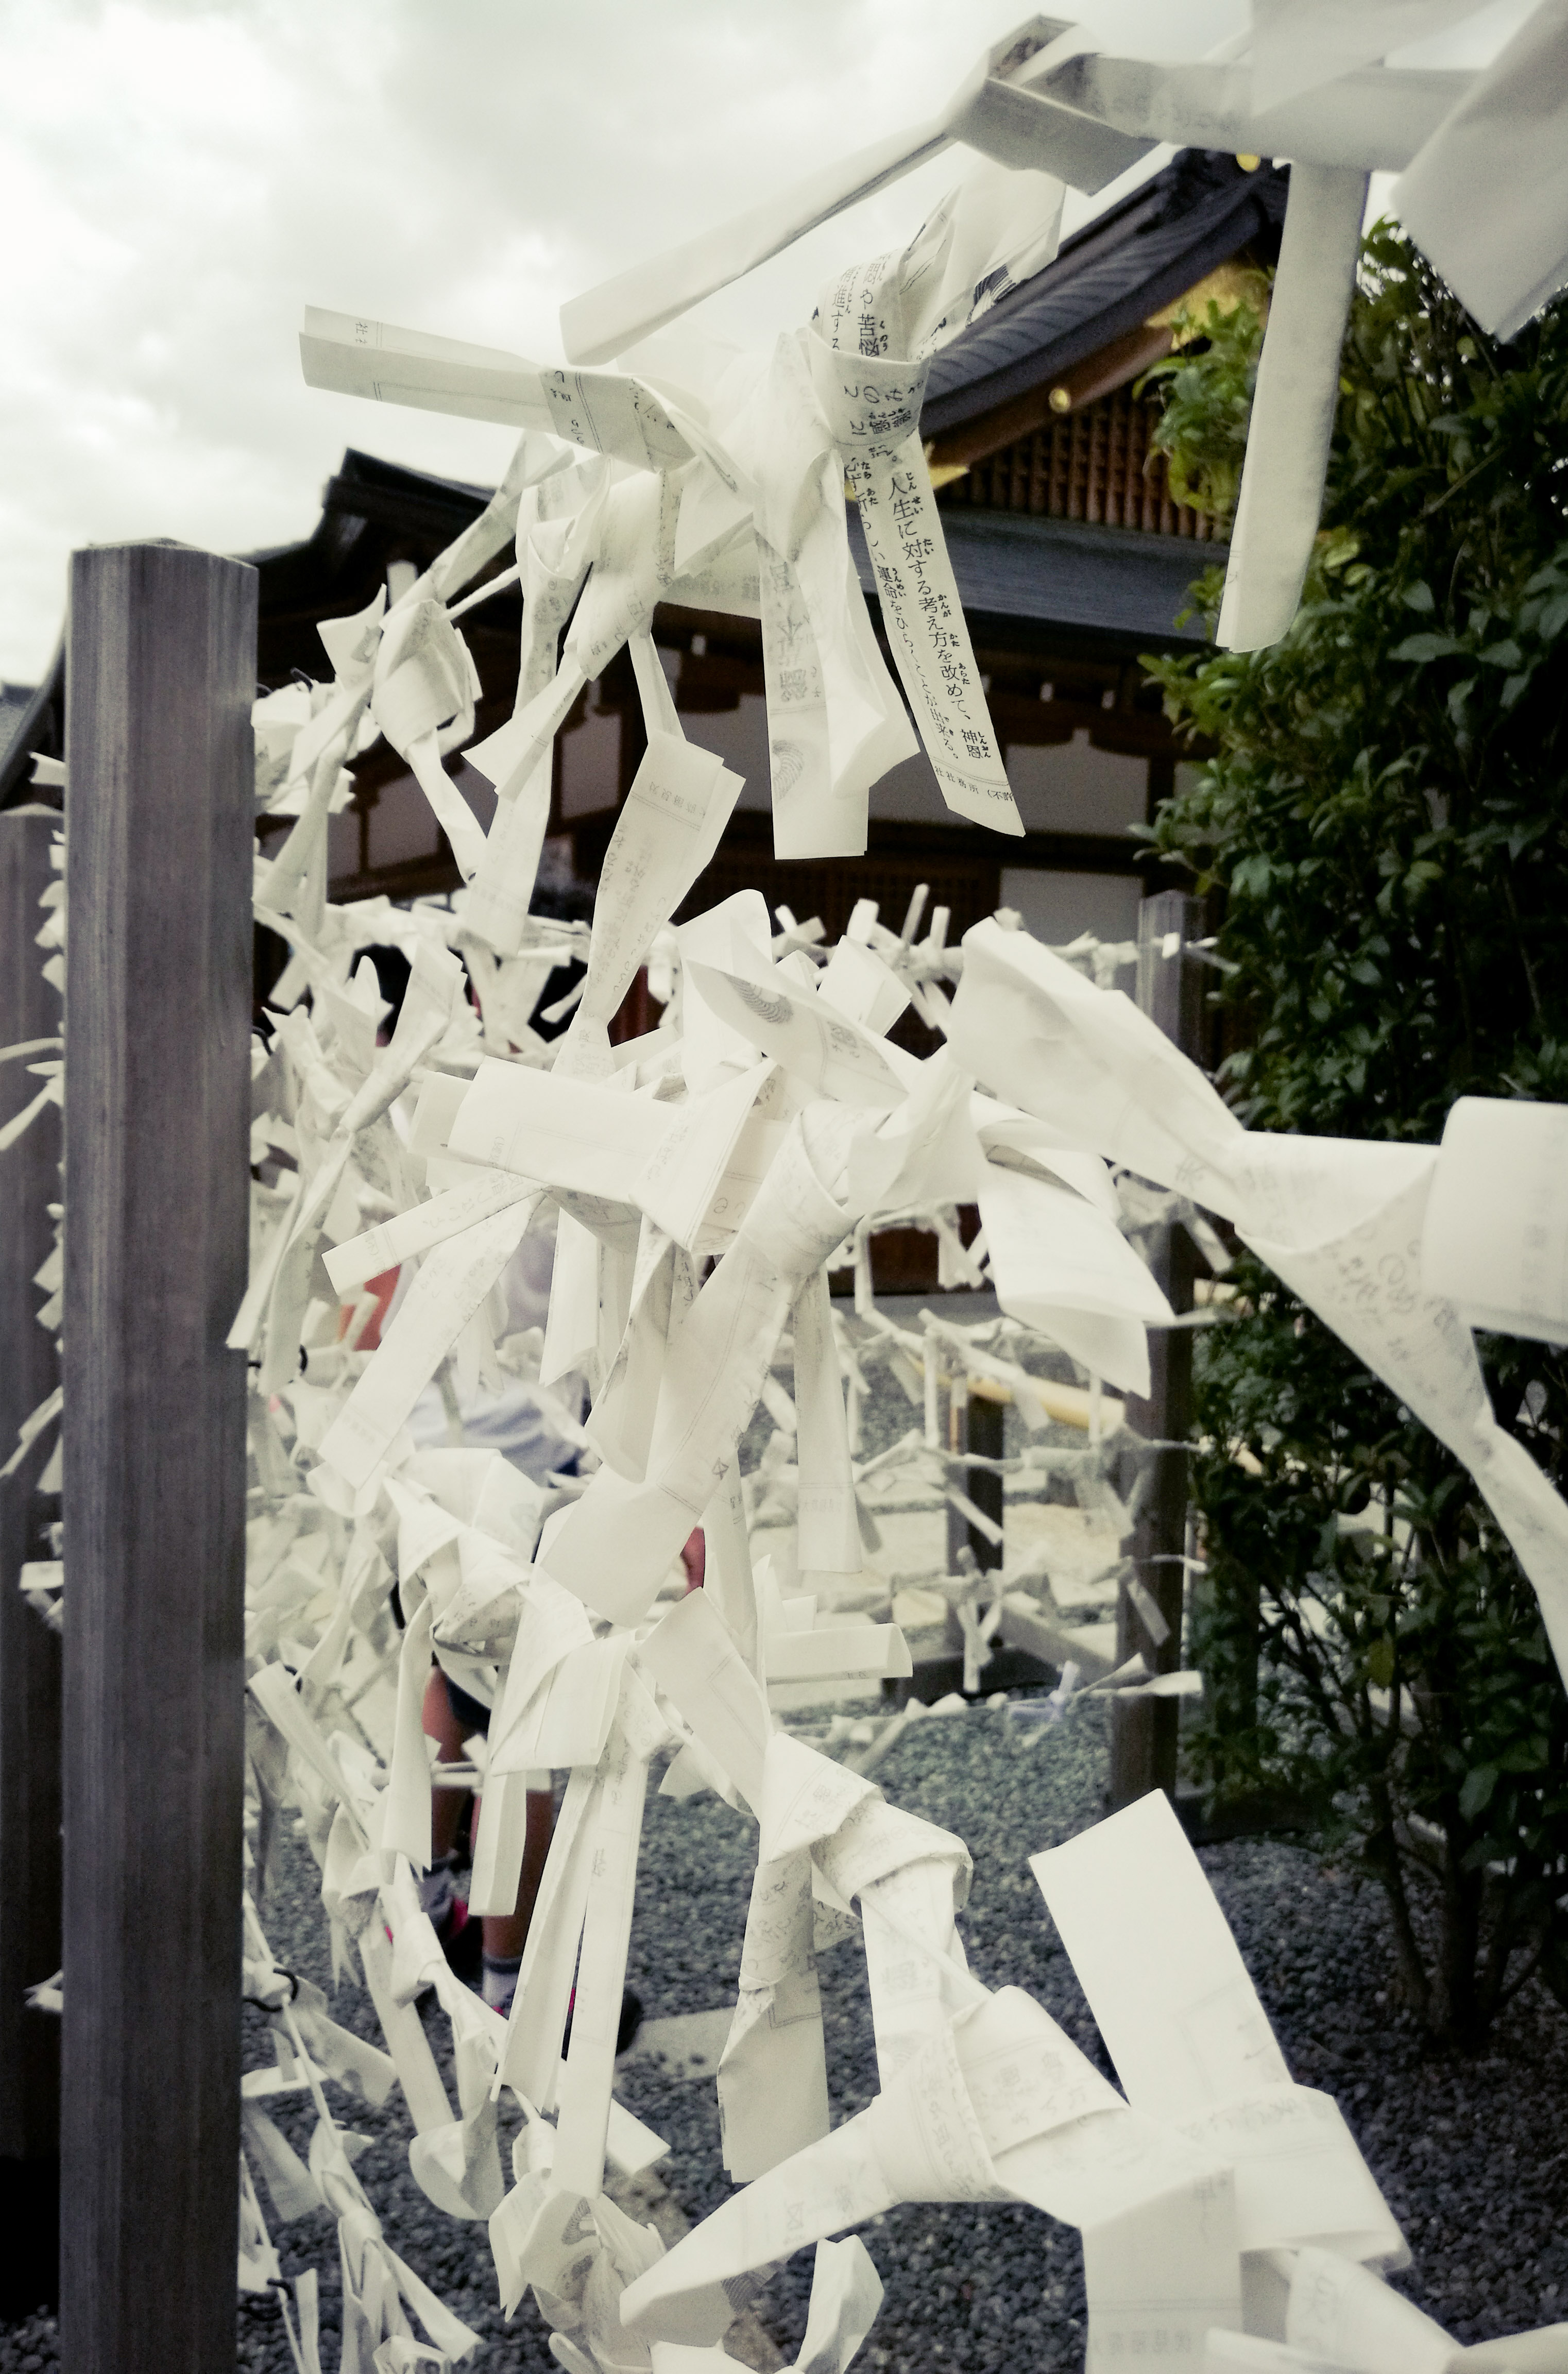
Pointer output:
694, 1558
506, 1934
438, 1896
442, 1725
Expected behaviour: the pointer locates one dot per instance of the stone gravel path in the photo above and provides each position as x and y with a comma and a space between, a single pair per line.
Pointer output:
1472, 2156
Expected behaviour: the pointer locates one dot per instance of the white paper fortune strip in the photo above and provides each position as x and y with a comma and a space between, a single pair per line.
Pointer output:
770, 1126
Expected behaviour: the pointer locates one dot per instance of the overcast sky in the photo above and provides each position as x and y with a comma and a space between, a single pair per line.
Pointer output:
178, 179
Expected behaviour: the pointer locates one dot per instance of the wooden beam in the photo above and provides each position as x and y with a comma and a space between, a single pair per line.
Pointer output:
38, 730
958, 449
1024, 1626
750, 833
1144, 1733
30, 1651
427, 511
161, 674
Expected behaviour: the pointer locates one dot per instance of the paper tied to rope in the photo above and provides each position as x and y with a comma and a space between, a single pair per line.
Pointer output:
818, 1043
1191, 2043
768, 1122
1341, 1220
743, 476
578, 2255
845, 2295
1057, 1263
282, 1287
559, 525
835, 723
773, 2073
871, 397
618, 1540
538, 463
998, 2104
1043, 103
294, 882
989, 110
458, 2165
1218, 2152
425, 689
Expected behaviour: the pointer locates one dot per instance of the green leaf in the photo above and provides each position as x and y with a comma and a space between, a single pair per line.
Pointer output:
1396, 845
1427, 647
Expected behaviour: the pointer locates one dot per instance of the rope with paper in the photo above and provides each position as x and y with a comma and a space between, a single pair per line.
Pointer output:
1315, 82
766, 1122
766, 1126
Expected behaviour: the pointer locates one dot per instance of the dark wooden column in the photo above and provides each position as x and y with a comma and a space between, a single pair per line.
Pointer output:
30, 1651
987, 1414
976, 1422
160, 677
1143, 1733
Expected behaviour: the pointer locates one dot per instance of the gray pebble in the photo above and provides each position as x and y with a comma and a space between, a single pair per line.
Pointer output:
1471, 2154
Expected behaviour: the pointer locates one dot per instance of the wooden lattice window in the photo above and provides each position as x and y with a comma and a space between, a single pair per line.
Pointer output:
1098, 463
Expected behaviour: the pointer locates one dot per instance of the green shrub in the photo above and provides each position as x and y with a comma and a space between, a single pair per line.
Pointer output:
1386, 814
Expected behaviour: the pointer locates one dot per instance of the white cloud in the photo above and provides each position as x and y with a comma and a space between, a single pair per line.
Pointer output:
184, 178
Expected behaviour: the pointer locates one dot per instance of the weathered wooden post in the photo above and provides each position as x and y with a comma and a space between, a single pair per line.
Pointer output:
1149, 1610
977, 1417
29, 1652
159, 795
988, 1418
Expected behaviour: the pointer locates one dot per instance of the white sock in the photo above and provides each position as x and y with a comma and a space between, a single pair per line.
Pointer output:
497, 1982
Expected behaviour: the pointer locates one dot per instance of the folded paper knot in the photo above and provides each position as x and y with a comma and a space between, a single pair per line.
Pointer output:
425, 677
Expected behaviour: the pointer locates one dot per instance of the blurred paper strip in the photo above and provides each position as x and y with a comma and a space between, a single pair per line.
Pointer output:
1298, 45
1488, 196
1293, 410
1496, 1235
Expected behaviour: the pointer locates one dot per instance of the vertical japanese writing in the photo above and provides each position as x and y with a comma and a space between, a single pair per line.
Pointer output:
874, 405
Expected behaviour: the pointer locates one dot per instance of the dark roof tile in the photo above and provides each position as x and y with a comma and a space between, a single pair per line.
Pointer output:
1194, 215
1111, 581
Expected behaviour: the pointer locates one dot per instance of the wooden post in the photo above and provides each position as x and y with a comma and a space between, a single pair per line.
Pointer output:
30, 1651
1144, 1735
636, 1013
976, 1419
160, 800
958, 1527
987, 1414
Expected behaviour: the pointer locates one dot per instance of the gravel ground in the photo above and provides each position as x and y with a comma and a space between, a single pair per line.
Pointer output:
1472, 2156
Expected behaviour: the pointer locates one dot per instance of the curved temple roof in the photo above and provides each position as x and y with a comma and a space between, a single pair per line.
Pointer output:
1107, 279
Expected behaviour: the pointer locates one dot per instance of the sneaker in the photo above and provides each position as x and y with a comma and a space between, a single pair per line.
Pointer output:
461, 1939
458, 1936
625, 2028
435, 1890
